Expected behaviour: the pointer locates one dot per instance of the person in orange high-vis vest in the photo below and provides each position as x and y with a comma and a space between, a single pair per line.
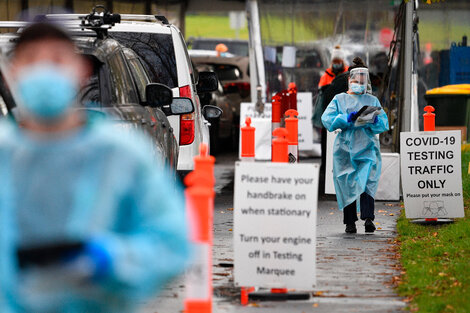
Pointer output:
338, 66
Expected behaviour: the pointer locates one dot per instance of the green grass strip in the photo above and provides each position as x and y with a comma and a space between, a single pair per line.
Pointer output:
436, 260
211, 26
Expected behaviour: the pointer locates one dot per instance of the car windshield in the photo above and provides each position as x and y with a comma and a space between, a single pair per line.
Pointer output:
234, 47
156, 52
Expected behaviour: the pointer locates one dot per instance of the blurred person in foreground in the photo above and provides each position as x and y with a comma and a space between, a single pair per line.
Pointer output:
89, 221
356, 154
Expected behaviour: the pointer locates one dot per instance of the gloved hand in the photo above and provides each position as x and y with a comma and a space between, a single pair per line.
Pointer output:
93, 261
352, 116
376, 119
96, 251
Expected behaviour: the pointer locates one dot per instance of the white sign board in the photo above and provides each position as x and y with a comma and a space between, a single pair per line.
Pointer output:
431, 174
304, 108
274, 224
389, 183
262, 124
237, 19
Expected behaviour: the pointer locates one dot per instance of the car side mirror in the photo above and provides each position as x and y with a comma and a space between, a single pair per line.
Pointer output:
158, 95
208, 82
181, 106
211, 112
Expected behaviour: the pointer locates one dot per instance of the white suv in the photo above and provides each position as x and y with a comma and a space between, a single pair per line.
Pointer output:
162, 48
164, 54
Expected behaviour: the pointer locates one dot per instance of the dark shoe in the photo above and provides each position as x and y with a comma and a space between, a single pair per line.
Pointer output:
351, 228
370, 227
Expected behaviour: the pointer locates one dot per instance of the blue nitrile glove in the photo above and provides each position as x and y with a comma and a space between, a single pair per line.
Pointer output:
99, 256
351, 116
93, 261
376, 119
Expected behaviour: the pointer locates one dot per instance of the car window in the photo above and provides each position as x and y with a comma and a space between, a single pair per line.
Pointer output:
308, 59
189, 62
122, 83
6, 99
157, 53
227, 72
3, 107
140, 77
90, 95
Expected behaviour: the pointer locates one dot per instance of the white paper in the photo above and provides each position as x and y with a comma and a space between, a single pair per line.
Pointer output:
270, 54
288, 56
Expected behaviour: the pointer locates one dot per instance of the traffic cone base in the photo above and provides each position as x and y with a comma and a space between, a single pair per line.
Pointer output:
197, 306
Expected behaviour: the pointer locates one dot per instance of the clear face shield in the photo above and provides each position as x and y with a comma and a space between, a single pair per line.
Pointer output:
358, 80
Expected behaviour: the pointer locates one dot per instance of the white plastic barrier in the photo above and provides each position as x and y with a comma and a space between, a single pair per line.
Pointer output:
262, 124
389, 184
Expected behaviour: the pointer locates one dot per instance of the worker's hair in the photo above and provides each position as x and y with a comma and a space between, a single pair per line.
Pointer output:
41, 31
357, 62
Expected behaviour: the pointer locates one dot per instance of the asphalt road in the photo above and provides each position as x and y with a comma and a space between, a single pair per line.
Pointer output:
354, 272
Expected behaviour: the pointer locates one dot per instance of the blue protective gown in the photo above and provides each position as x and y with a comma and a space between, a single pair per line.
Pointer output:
97, 183
356, 153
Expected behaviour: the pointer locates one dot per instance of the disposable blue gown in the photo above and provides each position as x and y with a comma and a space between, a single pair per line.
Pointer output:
356, 153
98, 183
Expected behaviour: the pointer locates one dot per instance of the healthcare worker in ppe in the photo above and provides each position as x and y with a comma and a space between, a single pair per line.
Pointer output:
356, 152
89, 222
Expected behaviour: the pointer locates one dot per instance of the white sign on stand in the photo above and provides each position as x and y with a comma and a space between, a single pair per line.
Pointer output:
304, 108
431, 172
262, 124
275, 224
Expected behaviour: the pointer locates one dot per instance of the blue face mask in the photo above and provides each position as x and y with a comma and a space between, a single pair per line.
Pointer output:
46, 91
357, 88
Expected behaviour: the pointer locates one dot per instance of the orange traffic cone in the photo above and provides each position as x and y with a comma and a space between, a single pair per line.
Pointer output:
276, 111
429, 124
292, 126
429, 121
280, 152
248, 141
200, 206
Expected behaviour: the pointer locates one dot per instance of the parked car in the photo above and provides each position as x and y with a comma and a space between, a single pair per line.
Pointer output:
235, 46
120, 88
234, 88
164, 55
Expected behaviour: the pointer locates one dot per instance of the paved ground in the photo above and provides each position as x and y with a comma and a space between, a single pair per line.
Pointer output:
354, 272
